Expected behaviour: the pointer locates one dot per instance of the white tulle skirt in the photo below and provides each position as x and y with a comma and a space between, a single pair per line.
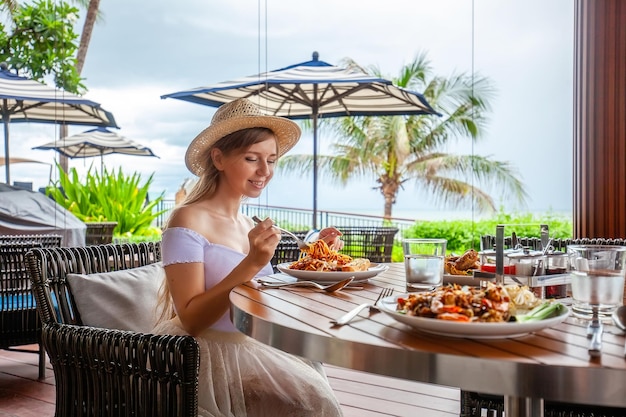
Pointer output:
240, 377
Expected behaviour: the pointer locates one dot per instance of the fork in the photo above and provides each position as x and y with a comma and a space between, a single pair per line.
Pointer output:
346, 318
302, 245
328, 288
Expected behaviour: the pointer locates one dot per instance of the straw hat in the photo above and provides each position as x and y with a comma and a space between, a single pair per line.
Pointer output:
238, 115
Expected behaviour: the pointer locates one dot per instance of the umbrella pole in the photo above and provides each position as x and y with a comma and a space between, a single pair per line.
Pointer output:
315, 171
5, 120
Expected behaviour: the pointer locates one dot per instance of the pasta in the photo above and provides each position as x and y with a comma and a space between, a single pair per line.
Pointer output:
319, 257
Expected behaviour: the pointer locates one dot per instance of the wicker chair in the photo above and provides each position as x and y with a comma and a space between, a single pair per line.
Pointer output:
46, 241
287, 249
99, 233
109, 372
374, 243
19, 322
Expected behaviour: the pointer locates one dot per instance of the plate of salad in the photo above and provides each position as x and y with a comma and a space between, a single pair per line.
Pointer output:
446, 312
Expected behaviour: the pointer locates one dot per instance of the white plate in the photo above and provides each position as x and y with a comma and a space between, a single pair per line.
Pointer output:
469, 330
332, 276
461, 280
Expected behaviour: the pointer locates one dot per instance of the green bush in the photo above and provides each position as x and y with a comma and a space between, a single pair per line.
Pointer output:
465, 234
111, 197
148, 234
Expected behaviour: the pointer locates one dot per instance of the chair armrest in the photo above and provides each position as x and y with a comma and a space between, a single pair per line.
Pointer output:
122, 372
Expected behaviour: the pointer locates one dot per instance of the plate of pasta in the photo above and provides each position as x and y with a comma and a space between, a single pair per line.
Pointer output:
331, 276
323, 264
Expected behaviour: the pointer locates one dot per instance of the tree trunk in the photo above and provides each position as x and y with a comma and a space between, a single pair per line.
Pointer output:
81, 55
388, 207
63, 160
85, 37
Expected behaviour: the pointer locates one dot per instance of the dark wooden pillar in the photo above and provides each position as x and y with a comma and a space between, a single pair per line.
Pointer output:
600, 119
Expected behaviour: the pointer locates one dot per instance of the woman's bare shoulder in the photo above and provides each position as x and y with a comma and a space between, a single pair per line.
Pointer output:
189, 216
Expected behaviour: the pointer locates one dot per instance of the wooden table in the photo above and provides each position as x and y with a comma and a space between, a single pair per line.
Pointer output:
552, 364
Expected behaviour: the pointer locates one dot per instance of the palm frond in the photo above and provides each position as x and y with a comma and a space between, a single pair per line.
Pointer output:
457, 193
398, 150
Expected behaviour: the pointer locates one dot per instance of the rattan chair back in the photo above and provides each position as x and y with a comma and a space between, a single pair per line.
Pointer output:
19, 321
99, 233
109, 372
373, 243
559, 244
287, 249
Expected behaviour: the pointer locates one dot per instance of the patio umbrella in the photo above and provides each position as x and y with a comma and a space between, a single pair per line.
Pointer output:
310, 90
96, 142
25, 100
19, 160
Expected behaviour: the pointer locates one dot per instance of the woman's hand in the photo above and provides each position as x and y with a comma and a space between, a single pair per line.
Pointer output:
263, 240
332, 237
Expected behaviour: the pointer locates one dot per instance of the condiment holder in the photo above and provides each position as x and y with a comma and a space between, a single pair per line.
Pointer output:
487, 260
545, 272
527, 263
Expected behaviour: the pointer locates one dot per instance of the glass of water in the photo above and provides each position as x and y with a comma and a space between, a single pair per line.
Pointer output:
597, 279
424, 263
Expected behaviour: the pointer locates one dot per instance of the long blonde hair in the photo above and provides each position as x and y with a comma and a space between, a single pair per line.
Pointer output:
236, 142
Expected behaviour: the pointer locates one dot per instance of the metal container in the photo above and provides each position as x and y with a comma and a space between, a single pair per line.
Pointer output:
545, 274
488, 261
557, 264
527, 263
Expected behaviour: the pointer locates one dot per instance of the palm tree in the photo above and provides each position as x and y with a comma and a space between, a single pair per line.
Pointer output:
396, 150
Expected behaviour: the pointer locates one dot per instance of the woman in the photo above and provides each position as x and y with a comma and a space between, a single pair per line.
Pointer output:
209, 248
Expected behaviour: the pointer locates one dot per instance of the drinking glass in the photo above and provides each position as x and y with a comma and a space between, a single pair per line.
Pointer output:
424, 263
597, 279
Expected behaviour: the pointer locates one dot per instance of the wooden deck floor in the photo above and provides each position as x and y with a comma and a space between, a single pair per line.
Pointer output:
360, 394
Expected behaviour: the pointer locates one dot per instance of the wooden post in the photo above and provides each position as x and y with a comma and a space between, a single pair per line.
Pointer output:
599, 119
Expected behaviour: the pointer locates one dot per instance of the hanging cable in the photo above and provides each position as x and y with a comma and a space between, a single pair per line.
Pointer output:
266, 85
258, 67
262, 31
56, 134
266, 44
472, 144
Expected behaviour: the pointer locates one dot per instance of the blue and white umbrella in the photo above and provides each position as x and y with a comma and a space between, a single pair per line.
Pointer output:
25, 100
96, 142
310, 90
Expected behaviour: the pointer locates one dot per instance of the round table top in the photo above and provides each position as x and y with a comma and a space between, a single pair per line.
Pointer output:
552, 363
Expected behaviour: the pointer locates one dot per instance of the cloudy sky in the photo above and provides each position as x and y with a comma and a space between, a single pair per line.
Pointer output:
143, 49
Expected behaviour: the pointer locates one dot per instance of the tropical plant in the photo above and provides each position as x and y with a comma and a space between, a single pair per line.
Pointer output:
38, 39
110, 197
395, 150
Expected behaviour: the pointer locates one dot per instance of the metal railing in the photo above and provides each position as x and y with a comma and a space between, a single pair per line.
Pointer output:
296, 219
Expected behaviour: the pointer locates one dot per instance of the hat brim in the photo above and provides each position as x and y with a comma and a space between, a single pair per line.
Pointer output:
286, 131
